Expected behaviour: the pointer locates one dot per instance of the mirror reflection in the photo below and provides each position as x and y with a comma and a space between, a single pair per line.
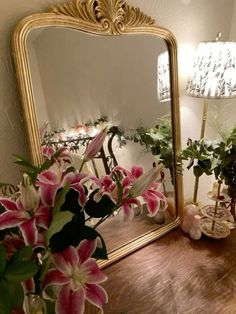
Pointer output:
83, 83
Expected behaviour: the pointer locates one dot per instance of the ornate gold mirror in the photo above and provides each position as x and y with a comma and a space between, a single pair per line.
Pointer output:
86, 63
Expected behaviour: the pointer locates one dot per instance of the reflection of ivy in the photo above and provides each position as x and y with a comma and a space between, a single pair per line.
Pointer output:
157, 140
52, 137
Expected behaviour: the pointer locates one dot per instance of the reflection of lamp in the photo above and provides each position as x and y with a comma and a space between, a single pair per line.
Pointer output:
213, 76
163, 77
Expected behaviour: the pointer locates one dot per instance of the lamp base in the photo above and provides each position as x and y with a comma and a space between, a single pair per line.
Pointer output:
221, 229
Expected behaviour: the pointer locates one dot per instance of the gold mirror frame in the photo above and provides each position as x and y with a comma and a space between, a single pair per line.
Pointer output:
100, 17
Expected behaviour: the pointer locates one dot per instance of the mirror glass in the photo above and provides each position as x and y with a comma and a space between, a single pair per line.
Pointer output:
82, 82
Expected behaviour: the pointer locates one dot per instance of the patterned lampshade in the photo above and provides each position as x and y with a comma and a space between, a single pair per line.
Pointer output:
214, 71
163, 77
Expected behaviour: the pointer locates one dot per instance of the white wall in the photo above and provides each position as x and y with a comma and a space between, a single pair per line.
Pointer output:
190, 21
12, 135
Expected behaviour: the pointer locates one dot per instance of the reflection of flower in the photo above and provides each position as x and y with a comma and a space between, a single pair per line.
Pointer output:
78, 276
51, 211
95, 145
134, 184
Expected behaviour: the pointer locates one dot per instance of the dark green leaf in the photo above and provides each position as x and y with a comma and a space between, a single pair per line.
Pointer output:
91, 234
60, 199
16, 293
99, 209
71, 202
23, 254
71, 234
23, 162
197, 171
23, 271
5, 299
60, 219
2, 260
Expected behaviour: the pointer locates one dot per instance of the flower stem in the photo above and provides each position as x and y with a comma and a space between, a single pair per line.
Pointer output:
81, 166
216, 203
101, 221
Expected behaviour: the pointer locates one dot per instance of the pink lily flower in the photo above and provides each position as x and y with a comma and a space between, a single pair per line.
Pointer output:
47, 151
49, 181
12, 243
63, 154
27, 220
108, 187
145, 181
26, 213
144, 185
75, 278
95, 145
105, 185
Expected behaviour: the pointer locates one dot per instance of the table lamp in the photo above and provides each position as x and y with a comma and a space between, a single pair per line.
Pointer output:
213, 77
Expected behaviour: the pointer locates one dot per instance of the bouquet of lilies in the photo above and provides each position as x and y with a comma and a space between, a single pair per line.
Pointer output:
48, 249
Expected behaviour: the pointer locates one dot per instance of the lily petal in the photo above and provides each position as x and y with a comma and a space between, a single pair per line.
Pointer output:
144, 182
41, 241
85, 249
82, 196
93, 273
53, 278
96, 295
153, 202
29, 232
28, 286
68, 257
43, 216
70, 302
48, 194
11, 219
47, 177
127, 213
8, 204
136, 171
95, 145
73, 177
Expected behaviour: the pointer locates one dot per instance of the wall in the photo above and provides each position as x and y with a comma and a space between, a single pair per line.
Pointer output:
190, 21
12, 135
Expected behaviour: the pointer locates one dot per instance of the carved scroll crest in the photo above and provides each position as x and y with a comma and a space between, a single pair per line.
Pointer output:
112, 15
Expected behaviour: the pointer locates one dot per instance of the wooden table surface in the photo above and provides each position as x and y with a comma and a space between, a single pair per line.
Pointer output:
174, 275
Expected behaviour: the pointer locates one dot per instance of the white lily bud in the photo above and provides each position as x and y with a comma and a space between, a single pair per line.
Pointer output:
145, 181
29, 196
95, 145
